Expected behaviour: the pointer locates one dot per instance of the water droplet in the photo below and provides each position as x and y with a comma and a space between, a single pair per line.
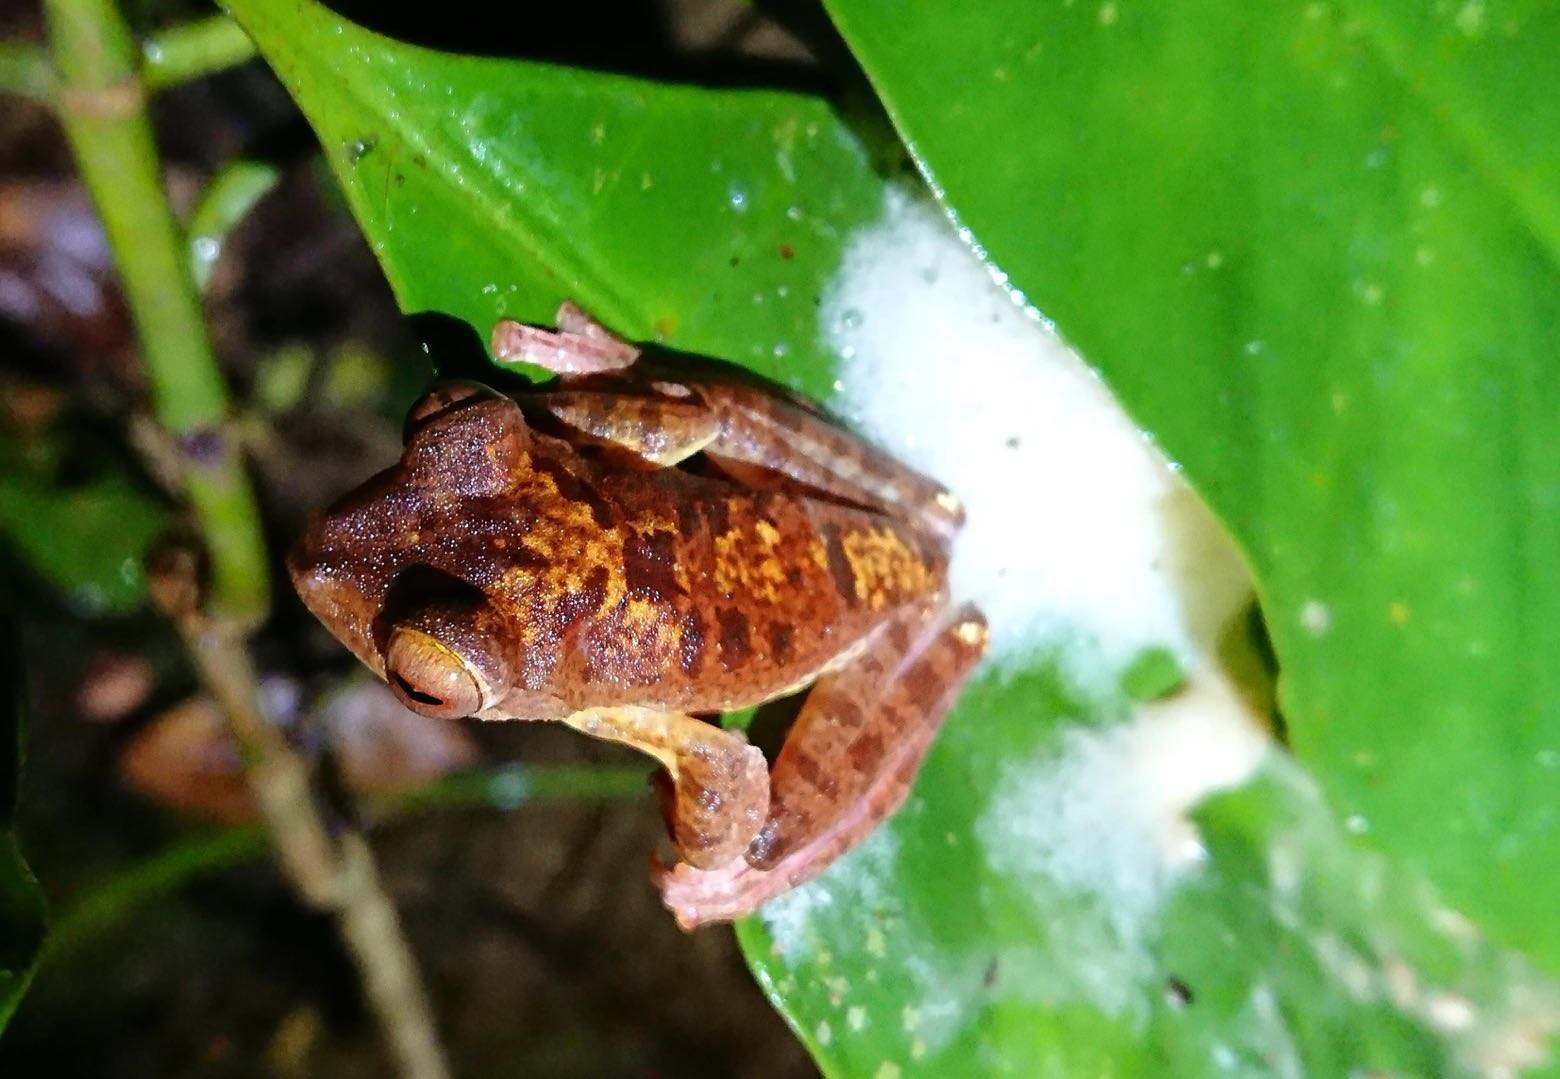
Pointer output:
1470, 18
738, 199
1315, 617
852, 318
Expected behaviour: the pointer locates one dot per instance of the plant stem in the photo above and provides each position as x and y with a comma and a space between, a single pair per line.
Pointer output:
112, 901
334, 872
193, 50
102, 105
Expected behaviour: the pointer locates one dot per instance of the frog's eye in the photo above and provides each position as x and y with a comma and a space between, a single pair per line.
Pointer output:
429, 677
439, 400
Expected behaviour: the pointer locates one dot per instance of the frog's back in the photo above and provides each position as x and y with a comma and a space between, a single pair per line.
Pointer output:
691, 593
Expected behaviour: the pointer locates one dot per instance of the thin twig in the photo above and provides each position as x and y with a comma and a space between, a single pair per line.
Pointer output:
226, 200
335, 873
505, 787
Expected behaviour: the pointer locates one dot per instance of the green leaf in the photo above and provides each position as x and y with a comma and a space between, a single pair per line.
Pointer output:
1018, 914
21, 900
494, 189
1012, 921
90, 542
1313, 247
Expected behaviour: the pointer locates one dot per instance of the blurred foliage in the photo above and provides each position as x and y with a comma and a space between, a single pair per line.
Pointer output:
84, 526
21, 900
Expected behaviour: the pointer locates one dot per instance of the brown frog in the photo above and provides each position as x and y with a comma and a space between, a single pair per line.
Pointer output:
632, 547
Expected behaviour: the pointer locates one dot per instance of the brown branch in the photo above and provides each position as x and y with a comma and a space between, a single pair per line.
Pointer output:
334, 873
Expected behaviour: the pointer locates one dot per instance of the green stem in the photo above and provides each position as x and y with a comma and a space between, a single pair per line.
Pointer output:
102, 105
25, 71
114, 900
230, 195
193, 50
512, 785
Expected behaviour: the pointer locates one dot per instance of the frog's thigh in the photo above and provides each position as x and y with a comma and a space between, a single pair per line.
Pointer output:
658, 430
847, 764
875, 716
765, 436
720, 783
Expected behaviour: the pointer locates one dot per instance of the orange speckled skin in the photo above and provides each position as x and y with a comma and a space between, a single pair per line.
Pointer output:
601, 585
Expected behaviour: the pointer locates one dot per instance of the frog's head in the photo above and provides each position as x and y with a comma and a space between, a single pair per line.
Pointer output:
403, 568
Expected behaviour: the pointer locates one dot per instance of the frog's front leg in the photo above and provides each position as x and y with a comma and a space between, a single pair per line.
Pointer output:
847, 764
579, 346
720, 784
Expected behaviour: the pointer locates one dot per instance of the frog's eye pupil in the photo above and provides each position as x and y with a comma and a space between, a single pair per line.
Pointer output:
429, 677
414, 693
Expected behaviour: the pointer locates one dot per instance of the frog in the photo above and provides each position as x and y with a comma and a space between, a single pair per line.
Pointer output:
644, 543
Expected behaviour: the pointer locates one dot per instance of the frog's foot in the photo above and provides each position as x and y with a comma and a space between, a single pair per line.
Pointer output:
846, 766
580, 345
719, 783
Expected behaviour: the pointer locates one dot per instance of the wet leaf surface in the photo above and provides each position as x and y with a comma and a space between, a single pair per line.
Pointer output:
1043, 903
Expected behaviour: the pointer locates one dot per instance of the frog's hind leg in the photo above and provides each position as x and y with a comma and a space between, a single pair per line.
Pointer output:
720, 784
650, 429
768, 441
847, 764
760, 437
